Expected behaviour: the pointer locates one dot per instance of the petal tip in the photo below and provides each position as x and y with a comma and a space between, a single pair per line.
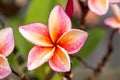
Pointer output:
4, 67
99, 7
7, 41
5, 74
30, 67
112, 22
65, 69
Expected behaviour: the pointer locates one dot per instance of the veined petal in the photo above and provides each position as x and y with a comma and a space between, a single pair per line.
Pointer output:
36, 33
6, 41
112, 22
4, 67
60, 61
100, 7
114, 1
38, 56
73, 40
59, 23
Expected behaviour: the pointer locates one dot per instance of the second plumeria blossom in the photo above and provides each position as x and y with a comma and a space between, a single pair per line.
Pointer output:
114, 22
100, 7
53, 43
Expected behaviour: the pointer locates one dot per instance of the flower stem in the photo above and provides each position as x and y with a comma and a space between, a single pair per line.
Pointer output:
107, 55
50, 75
84, 9
83, 62
68, 75
22, 76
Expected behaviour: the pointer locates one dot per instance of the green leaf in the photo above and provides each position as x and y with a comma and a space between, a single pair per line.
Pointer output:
57, 76
94, 37
39, 10
41, 72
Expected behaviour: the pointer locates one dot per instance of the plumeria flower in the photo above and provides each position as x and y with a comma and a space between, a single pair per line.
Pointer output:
100, 7
53, 43
6, 47
114, 22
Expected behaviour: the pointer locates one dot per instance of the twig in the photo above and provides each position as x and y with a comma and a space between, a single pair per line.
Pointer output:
68, 76
104, 60
50, 75
22, 77
84, 9
83, 62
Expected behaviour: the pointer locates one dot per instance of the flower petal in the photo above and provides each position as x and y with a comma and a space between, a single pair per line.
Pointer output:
38, 56
36, 33
116, 10
114, 1
112, 22
60, 61
6, 41
100, 7
59, 23
69, 8
4, 67
73, 40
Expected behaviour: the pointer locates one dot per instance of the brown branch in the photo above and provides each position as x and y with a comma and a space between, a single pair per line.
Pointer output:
84, 9
22, 77
50, 75
104, 60
68, 75
83, 62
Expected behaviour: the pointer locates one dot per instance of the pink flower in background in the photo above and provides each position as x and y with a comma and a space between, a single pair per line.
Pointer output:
6, 47
53, 43
100, 7
114, 22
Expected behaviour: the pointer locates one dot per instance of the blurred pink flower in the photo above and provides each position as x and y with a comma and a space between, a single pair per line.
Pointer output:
100, 7
114, 22
53, 43
6, 47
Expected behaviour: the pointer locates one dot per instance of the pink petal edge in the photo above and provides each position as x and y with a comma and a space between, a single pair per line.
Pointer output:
36, 33
38, 56
4, 67
6, 41
60, 61
116, 10
58, 23
114, 1
112, 22
99, 7
73, 40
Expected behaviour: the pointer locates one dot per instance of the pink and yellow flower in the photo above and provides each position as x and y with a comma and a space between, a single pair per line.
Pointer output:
100, 7
53, 43
6, 47
114, 22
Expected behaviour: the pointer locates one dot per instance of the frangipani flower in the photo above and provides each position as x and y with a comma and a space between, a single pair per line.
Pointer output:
6, 47
53, 43
114, 22
100, 7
